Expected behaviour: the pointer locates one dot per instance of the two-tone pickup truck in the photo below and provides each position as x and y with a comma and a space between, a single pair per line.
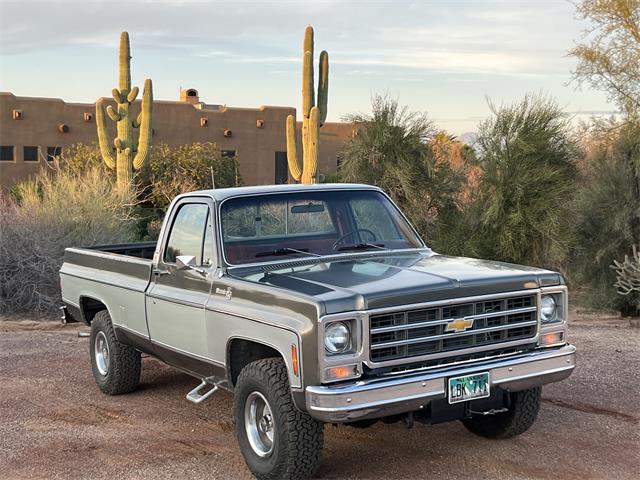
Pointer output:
316, 304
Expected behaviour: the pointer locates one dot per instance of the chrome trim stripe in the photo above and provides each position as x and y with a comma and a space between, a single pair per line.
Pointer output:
447, 320
412, 341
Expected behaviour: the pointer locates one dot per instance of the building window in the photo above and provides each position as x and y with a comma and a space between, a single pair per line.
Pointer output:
6, 153
53, 152
228, 153
281, 169
30, 154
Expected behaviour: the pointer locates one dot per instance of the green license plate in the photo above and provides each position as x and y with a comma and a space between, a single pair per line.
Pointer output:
468, 387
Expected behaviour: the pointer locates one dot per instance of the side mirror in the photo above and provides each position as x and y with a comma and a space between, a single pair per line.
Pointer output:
188, 262
185, 262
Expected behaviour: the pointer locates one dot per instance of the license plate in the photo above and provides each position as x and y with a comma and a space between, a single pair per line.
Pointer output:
468, 387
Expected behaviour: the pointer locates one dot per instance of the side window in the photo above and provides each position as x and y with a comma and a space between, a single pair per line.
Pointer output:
370, 216
187, 232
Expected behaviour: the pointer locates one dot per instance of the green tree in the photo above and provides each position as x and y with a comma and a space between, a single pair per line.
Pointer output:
520, 211
608, 211
186, 168
393, 150
609, 55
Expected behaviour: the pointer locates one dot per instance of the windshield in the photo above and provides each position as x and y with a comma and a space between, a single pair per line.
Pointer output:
266, 227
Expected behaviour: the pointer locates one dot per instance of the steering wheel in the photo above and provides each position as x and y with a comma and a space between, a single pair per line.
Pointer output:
353, 232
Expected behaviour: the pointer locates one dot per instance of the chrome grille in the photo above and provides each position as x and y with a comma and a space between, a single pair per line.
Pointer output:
420, 332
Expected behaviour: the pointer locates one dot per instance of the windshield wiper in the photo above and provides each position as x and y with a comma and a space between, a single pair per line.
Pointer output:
361, 246
285, 251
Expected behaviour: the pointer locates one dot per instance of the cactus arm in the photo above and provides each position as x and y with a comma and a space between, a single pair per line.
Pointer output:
292, 154
117, 96
124, 58
136, 121
310, 167
323, 86
113, 115
144, 139
107, 154
133, 94
307, 84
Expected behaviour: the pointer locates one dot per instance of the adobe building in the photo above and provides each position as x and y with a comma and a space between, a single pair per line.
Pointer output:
33, 130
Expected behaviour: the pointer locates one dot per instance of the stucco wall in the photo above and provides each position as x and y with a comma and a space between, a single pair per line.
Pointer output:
174, 123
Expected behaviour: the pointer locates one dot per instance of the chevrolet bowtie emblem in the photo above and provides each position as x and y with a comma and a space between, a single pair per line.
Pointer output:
459, 325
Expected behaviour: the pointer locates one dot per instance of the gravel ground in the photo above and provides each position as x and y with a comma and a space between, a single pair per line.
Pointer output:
55, 423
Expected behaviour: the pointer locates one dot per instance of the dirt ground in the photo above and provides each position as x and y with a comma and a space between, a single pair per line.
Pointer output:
55, 423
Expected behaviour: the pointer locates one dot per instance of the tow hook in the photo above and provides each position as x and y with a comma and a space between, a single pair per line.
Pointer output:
407, 420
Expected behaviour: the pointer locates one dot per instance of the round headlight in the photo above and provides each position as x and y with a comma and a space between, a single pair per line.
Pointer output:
337, 338
547, 309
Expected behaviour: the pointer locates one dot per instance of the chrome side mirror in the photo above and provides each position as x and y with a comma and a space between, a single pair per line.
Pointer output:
187, 262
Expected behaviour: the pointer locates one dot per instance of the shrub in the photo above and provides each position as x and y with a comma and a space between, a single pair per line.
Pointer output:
55, 210
394, 150
172, 171
608, 211
628, 278
527, 165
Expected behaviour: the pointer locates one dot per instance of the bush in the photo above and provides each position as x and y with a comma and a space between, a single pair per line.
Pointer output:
520, 212
394, 149
172, 171
57, 209
608, 212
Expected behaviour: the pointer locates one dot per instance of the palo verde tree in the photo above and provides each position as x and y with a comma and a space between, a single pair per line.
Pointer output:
314, 113
609, 54
527, 161
129, 155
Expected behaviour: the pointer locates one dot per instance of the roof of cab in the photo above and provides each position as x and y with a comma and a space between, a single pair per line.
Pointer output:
220, 194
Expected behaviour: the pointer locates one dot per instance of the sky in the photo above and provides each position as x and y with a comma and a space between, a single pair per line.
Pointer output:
443, 57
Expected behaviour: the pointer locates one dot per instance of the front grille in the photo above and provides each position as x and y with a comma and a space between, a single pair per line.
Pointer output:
423, 331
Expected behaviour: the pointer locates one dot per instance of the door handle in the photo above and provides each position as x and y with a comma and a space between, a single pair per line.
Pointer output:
158, 273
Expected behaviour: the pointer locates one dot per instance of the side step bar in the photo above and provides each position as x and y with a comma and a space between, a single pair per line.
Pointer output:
195, 396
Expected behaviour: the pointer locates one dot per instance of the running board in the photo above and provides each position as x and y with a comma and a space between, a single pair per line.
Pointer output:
195, 396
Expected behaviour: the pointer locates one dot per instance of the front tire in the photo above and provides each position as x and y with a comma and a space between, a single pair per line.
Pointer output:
116, 366
277, 440
521, 415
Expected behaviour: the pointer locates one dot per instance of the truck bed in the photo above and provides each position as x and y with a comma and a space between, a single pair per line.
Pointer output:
120, 272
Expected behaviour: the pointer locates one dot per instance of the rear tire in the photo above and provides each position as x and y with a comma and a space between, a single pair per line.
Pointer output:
116, 366
521, 415
277, 440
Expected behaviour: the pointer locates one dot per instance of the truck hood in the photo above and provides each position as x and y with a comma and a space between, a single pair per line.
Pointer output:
392, 279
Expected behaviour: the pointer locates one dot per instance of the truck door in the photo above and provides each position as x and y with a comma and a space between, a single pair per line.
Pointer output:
176, 297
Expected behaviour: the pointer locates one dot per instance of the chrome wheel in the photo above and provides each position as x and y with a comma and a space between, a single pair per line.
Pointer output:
259, 424
101, 352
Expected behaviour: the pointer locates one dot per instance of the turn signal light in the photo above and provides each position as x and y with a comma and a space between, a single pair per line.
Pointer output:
551, 338
294, 360
338, 373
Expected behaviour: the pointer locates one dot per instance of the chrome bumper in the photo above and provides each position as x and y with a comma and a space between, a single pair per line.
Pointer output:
389, 396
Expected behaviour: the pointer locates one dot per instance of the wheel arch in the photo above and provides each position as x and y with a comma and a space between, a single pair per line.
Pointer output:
242, 350
89, 306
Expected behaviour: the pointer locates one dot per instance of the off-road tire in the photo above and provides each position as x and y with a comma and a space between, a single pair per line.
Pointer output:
298, 441
518, 419
123, 373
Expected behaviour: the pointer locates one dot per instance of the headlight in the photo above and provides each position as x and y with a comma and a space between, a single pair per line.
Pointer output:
548, 309
337, 338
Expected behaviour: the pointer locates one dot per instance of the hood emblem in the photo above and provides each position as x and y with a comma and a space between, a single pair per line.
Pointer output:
459, 325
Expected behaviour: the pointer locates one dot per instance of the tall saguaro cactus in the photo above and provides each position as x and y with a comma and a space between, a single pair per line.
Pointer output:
128, 155
313, 116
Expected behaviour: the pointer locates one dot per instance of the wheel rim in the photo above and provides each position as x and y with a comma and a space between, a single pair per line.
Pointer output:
259, 425
101, 353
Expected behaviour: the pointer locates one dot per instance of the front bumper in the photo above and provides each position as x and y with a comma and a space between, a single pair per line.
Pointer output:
390, 396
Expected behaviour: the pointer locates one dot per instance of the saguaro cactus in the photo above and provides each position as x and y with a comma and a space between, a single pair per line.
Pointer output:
313, 116
128, 155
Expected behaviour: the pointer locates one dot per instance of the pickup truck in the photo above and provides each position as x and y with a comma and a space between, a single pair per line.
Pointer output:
320, 304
